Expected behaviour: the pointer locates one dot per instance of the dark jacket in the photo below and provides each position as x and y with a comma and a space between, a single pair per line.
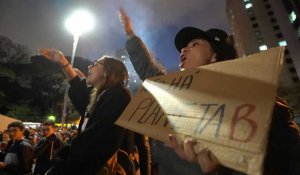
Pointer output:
146, 66
134, 142
24, 153
283, 150
143, 146
101, 138
44, 154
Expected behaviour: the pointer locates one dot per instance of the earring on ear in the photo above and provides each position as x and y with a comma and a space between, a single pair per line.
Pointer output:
213, 59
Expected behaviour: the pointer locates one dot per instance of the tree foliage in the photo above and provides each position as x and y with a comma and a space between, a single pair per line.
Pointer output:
11, 52
31, 90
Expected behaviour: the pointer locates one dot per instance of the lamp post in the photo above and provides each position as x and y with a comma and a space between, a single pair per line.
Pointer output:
81, 21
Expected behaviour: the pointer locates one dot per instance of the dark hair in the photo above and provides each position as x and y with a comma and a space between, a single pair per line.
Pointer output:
225, 50
116, 72
26, 133
49, 124
19, 125
114, 69
6, 131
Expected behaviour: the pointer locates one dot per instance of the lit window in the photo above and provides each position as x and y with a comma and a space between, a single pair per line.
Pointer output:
292, 16
249, 5
282, 43
246, 0
263, 47
123, 56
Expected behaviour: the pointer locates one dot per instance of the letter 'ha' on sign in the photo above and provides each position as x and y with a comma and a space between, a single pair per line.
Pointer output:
226, 106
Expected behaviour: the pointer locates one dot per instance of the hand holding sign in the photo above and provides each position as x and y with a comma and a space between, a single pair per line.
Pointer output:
186, 151
226, 106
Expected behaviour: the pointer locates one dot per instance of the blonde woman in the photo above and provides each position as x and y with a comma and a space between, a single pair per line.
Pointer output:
100, 98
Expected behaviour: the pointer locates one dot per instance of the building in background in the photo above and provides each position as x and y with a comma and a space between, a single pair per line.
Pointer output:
258, 25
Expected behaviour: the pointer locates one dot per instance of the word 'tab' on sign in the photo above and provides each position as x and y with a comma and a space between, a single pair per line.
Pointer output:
226, 106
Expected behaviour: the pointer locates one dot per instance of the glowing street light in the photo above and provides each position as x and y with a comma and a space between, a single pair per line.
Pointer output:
80, 22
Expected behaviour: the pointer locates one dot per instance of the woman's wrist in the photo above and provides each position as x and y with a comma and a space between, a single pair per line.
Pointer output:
130, 33
65, 65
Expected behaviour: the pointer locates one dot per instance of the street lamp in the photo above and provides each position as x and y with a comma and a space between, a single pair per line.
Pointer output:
80, 21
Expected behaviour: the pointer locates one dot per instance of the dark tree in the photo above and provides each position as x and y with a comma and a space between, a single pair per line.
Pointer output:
11, 52
33, 91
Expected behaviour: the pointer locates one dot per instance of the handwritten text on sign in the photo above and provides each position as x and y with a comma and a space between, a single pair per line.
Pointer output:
148, 111
226, 106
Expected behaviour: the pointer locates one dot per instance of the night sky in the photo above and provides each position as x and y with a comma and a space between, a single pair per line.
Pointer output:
40, 23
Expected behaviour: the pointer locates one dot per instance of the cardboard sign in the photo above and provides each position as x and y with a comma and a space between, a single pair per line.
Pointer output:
4, 121
226, 106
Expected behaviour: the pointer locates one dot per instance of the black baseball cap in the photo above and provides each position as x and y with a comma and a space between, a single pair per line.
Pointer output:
217, 38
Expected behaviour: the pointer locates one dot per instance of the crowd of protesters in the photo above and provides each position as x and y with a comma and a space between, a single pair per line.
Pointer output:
40, 143
98, 146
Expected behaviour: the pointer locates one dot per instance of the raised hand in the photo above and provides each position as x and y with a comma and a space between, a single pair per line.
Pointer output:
53, 55
58, 57
126, 23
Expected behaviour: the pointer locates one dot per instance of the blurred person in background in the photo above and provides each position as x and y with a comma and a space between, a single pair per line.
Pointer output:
18, 156
46, 148
4, 140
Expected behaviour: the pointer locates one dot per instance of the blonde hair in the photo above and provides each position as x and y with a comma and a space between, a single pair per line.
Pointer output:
116, 73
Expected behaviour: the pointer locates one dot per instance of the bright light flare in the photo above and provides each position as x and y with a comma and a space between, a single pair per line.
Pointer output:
80, 22
263, 47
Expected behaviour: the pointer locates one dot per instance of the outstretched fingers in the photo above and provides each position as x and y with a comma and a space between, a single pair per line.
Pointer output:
125, 22
51, 54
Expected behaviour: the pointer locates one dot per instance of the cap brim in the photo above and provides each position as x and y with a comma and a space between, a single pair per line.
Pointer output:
187, 34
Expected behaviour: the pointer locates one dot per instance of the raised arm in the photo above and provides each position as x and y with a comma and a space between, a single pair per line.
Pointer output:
78, 91
144, 64
58, 57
